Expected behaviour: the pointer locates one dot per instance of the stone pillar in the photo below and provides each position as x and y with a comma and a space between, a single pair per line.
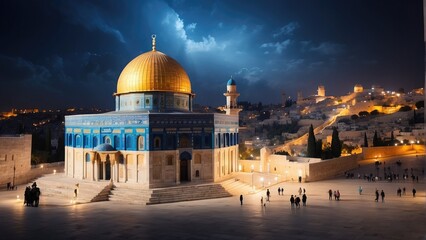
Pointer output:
125, 169
104, 170
117, 171
96, 170
93, 170
177, 170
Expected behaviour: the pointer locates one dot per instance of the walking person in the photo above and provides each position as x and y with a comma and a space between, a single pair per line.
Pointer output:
377, 195
338, 195
292, 201
383, 196
304, 199
360, 190
297, 201
279, 191
330, 194
268, 194
241, 199
414, 192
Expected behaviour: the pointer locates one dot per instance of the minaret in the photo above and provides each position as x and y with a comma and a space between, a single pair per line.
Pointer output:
231, 98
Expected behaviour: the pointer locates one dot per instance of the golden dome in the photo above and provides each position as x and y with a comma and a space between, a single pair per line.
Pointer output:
153, 71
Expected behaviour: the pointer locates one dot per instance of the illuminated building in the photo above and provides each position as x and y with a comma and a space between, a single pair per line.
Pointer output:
153, 138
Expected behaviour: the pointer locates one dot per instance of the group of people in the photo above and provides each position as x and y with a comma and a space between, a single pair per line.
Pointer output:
335, 193
32, 195
295, 200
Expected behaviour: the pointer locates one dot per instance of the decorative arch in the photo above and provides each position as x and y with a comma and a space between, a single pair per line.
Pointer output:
185, 156
141, 143
107, 140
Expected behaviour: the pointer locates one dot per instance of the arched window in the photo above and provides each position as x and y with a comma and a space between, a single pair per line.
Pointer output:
197, 159
129, 142
85, 141
77, 141
116, 142
197, 173
107, 140
95, 141
141, 143
169, 160
157, 142
70, 140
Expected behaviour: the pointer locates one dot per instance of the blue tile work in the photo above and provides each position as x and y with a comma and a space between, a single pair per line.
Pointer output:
151, 131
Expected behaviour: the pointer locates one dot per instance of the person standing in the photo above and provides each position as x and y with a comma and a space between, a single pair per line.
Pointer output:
279, 191
360, 190
268, 194
414, 192
300, 191
377, 195
297, 201
241, 199
383, 196
330, 194
292, 201
304, 198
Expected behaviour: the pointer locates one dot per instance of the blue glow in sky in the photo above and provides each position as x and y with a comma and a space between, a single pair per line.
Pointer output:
70, 53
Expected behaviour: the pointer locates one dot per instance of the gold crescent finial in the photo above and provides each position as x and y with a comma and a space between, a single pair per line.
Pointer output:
153, 41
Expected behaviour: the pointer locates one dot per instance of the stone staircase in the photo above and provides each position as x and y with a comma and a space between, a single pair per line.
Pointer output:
130, 193
57, 189
138, 195
187, 193
236, 187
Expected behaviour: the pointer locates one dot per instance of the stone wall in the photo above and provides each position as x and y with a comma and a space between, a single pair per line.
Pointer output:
377, 152
15, 158
331, 168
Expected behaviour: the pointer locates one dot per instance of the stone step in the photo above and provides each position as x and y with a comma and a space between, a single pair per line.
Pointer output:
167, 195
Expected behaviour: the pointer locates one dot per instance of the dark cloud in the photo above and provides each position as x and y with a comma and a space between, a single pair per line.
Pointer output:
65, 53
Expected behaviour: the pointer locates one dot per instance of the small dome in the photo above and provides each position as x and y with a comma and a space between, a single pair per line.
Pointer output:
231, 82
104, 147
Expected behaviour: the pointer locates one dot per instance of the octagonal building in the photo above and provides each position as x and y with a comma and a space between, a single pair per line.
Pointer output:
153, 138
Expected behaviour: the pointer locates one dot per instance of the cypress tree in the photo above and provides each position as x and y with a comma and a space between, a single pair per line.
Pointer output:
336, 145
376, 141
365, 140
318, 150
311, 142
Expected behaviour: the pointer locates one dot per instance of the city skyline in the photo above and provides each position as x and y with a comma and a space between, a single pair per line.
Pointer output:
71, 53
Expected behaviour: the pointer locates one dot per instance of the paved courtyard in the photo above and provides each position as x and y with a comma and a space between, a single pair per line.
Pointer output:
355, 216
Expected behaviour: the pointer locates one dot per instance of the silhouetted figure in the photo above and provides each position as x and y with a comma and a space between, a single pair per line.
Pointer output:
35, 195
292, 201
304, 198
414, 192
241, 199
383, 196
268, 194
330, 194
27, 200
297, 202
377, 196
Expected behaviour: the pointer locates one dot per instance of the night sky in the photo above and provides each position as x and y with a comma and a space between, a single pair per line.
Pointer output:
57, 54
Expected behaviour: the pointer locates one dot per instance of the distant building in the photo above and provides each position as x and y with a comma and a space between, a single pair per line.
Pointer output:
358, 88
321, 91
377, 89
